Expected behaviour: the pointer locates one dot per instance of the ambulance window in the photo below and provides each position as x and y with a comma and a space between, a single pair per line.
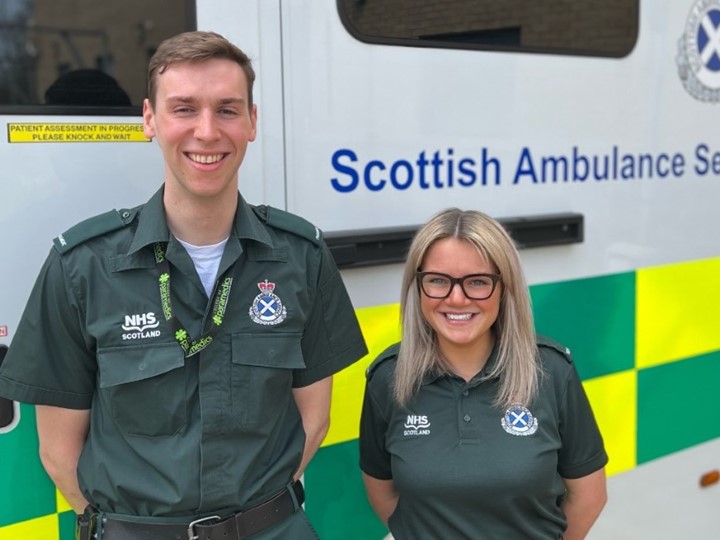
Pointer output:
82, 54
591, 27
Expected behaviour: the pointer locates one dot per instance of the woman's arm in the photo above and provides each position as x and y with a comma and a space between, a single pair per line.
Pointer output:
584, 499
382, 496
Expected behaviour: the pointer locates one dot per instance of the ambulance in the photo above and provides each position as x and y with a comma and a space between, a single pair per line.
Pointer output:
588, 128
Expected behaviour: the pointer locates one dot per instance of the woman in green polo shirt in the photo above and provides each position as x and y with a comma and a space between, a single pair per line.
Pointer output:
473, 427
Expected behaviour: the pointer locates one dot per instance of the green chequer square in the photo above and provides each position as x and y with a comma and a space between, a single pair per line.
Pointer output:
676, 405
335, 496
20, 466
594, 317
66, 523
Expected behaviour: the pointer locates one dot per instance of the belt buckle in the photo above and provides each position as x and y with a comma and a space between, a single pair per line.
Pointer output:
191, 527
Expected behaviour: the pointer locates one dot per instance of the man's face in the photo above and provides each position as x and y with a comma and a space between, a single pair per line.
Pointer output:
203, 123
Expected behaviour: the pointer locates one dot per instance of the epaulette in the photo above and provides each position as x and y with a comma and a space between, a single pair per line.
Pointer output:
542, 341
391, 352
286, 221
93, 227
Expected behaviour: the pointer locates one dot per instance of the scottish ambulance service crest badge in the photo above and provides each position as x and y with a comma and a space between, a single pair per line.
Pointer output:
698, 57
267, 308
518, 420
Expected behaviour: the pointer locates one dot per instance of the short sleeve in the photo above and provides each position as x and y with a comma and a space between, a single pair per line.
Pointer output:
582, 449
49, 361
374, 457
332, 339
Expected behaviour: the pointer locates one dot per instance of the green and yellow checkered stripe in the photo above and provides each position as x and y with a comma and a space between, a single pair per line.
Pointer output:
30, 506
646, 345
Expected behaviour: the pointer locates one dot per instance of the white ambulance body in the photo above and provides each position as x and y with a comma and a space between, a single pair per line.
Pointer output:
601, 156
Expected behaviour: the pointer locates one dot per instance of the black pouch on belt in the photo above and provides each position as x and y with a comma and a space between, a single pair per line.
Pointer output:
86, 524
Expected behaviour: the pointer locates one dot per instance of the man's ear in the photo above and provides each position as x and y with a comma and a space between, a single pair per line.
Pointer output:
148, 119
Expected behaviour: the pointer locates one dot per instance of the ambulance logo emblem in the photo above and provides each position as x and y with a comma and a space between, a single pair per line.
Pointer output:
518, 420
698, 57
267, 308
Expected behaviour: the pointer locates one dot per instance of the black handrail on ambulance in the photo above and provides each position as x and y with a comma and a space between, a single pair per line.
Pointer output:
374, 247
7, 410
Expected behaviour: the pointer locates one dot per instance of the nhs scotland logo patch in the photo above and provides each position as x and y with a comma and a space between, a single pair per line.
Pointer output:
416, 425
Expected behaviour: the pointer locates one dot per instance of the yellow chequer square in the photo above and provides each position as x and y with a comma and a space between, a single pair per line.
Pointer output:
41, 528
61, 503
676, 312
381, 327
614, 402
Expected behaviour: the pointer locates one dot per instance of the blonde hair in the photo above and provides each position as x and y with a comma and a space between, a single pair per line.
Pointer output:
517, 363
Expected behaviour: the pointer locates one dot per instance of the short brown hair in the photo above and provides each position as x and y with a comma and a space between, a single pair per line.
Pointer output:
196, 47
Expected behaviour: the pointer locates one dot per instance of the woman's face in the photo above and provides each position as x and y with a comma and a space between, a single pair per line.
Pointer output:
463, 326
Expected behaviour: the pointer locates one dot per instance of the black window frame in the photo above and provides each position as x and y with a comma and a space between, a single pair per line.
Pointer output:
452, 41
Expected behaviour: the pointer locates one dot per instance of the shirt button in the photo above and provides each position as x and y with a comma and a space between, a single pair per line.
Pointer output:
466, 418
466, 393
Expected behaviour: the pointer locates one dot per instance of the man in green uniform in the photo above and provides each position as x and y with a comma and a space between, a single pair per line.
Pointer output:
181, 353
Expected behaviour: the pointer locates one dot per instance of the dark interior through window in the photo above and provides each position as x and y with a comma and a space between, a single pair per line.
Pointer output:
587, 27
83, 52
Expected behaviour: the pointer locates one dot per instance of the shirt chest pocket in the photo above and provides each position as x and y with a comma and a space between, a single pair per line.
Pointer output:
143, 388
262, 375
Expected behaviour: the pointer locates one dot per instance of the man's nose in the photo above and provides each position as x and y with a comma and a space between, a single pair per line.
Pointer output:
206, 127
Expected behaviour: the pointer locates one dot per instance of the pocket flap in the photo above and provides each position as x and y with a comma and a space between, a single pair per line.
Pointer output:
121, 365
277, 350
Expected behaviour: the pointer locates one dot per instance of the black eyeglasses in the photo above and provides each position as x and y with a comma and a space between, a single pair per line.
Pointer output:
474, 286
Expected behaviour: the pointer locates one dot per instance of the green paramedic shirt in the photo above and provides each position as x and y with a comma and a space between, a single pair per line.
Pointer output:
169, 435
465, 469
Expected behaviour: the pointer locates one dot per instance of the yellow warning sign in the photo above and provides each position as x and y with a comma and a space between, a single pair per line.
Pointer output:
57, 132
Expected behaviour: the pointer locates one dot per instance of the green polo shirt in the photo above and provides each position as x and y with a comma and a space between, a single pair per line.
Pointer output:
172, 435
465, 469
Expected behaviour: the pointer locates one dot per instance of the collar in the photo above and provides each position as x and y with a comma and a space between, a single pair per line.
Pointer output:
482, 376
152, 225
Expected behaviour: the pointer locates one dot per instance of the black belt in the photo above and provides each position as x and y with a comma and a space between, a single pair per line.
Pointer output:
238, 526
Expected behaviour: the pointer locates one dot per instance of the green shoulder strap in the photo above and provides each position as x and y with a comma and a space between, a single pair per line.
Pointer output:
391, 352
93, 227
542, 341
279, 219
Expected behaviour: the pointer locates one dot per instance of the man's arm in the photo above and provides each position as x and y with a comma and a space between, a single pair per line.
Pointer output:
62, 434
313, 402
382, 496
584, 499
